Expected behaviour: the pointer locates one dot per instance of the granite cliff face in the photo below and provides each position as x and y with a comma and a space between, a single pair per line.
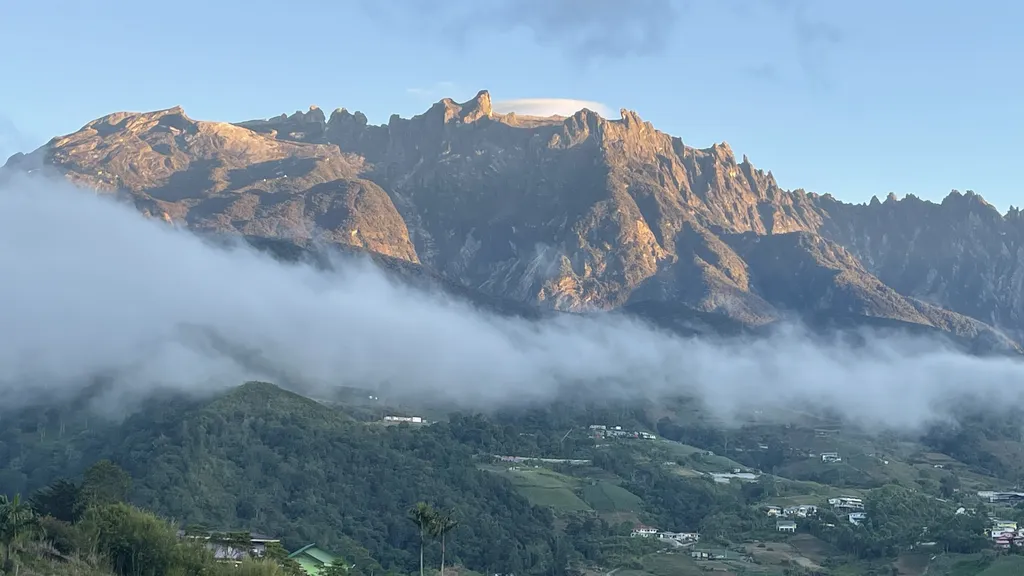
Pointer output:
571, 213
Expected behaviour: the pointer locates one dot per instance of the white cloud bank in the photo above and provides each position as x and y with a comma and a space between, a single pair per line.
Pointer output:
92, 288
548, 107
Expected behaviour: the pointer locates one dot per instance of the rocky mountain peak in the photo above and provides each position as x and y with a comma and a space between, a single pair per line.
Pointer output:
173, 119
630, 117
341, 116
467, 112
969, 200
300, 126
724, 152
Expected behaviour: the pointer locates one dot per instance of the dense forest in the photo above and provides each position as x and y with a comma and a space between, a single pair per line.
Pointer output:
264, 459
88, 529
271, 461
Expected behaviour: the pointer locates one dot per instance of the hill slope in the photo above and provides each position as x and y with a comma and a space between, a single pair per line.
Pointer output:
268, 460
570, 213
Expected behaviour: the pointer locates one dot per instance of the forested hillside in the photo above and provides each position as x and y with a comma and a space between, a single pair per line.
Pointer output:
263, 459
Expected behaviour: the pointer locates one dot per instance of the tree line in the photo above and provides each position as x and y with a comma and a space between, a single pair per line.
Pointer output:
88, 529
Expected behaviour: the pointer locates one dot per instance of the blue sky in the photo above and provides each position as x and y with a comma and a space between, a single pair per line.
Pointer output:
851, 98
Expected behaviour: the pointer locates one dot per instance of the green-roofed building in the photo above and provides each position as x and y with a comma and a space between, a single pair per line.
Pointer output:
312, 558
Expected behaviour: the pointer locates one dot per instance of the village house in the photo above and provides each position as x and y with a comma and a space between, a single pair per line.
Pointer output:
312, 559
1007, 497
644, 531
856, 518
800, 511
737, 474
773, 511
786, 526
680, 537
231, 546
1003, 525
717, 555
1005, 534
846, 503
830, 457
615, 432
609, 431
1004, 541
411, 419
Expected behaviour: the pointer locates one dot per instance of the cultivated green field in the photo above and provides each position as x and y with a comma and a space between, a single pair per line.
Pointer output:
544, 487
1005, 566
984, 564
604, 496
665, 564
695, 457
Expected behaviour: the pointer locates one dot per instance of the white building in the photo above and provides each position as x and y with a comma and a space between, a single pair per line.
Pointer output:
679, 536
800, 511
723, 478
994, 497
846, 502
413, 419
644, 531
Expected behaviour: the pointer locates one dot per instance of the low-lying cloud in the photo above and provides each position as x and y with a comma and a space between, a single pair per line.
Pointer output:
90, 287
548, 107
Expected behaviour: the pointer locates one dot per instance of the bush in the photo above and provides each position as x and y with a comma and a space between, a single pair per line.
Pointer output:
65, 538
138, 543
254, 568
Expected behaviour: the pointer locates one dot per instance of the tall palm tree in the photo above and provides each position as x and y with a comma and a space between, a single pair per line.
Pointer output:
16, 520
423, 516
444, 522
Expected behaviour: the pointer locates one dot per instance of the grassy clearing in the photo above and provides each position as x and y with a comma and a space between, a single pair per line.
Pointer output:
686, 472
984, 564
800, 493
814, 549
670, 564
778, 555
1005, 566
912, 564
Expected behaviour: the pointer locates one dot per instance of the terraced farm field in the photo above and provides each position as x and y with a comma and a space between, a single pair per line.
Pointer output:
544, 487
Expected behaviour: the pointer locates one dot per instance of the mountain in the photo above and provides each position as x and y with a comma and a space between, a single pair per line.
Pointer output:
568, 213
